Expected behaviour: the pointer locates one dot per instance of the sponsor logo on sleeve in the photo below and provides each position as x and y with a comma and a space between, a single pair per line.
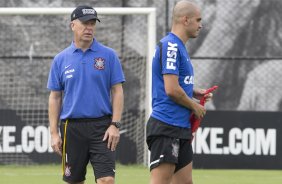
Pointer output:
171, 56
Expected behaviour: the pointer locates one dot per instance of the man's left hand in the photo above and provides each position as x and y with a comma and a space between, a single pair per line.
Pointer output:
112, 135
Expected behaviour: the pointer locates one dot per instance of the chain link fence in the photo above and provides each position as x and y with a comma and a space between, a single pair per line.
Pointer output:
239, 49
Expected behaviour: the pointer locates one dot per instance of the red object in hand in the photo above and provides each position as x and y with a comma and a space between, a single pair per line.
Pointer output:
195, 122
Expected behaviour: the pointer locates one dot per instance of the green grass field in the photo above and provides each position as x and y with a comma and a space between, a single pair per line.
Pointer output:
51, 174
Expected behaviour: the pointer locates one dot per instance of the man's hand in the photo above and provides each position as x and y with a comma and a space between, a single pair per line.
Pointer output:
204, 93
199, 110
112, 134
199, 93
56, 143
208, 97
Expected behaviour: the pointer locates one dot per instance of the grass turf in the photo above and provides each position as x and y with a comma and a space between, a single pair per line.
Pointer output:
136, 174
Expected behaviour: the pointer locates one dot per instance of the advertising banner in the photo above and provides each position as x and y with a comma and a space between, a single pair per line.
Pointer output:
22, 143
225, 140
239, 139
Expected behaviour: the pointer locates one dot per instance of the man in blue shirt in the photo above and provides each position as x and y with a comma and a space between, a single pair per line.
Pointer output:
169, 129
86, 95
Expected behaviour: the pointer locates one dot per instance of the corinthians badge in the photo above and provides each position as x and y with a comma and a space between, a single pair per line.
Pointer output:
67, 171
99, 63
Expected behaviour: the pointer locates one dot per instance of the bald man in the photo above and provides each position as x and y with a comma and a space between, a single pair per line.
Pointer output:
168, 128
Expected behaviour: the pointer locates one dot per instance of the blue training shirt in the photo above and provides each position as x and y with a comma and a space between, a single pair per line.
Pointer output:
174, 60
86, 79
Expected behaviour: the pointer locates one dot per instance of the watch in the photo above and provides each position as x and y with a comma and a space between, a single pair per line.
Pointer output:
116, 124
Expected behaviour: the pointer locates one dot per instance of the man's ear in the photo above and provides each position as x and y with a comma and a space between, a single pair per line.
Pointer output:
186, 20
71, 25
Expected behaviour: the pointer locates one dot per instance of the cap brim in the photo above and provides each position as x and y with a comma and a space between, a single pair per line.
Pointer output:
88, 17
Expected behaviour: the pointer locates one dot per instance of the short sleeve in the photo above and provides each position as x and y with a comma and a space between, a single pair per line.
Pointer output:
54, 83
170, 58
117, 75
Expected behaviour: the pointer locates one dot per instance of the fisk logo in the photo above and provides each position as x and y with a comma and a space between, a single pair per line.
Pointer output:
171, 56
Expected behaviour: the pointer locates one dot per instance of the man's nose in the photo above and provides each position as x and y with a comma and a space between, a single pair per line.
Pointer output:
201, 26
89, 26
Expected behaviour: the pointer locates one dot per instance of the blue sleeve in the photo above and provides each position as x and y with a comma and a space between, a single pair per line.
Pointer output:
170, 58
54, 83
117, 75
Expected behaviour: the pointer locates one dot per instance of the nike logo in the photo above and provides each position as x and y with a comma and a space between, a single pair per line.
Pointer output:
114, 170
67, 66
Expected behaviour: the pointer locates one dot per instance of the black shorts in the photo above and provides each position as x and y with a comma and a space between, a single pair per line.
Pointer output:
83, 142
167, 148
